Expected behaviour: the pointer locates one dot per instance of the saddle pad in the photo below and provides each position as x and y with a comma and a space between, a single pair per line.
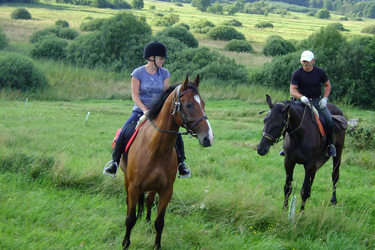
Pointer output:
321, 129
133, 137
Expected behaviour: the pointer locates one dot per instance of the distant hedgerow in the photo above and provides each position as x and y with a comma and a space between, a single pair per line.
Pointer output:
19, 72
21, 13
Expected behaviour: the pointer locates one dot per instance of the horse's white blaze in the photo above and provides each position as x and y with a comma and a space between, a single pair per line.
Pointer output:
210, 133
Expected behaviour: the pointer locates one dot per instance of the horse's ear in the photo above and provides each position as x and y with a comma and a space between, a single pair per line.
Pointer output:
185, 84
197, 80
269, 101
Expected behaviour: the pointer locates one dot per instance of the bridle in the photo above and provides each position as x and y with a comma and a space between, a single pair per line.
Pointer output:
176, 102
284, 127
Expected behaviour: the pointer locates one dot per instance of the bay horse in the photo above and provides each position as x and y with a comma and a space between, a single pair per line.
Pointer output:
151, 164
303, 144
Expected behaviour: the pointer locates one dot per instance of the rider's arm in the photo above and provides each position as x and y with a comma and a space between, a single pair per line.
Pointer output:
166, 83
294, 91
135, 83
327, 89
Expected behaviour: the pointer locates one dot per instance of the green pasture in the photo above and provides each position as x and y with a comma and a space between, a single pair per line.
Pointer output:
53, 194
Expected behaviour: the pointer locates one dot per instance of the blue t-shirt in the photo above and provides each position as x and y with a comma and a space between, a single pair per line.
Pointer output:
309, 83
151, 86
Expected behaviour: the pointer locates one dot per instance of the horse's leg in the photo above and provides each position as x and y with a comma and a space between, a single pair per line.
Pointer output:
336, 171
149, 201
289, 168
310, 170
131, 217
164, 199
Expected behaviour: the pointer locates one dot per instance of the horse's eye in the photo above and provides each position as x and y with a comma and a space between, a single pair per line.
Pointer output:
189, 105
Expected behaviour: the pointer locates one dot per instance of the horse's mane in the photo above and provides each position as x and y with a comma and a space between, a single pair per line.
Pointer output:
157, 104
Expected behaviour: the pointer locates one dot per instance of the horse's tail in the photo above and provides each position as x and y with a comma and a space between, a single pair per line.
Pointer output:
141, 203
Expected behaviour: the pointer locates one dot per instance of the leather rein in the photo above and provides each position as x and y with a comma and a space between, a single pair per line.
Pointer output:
176, 102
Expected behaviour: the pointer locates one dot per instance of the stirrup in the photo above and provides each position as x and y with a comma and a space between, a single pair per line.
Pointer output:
328, 148
184, 176
107, 165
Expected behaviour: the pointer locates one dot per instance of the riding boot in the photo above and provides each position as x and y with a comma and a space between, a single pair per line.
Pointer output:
183, 171
112, 166
331, 150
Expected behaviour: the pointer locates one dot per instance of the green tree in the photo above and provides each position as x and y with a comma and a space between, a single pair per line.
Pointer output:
323, 14
138, 4
201, 5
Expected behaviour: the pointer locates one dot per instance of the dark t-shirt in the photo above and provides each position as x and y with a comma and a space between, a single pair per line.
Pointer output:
309, 83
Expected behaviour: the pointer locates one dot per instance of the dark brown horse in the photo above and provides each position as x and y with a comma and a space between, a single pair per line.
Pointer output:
152, 161
303, 143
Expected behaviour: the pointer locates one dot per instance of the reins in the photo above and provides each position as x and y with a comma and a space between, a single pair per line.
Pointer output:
176, 101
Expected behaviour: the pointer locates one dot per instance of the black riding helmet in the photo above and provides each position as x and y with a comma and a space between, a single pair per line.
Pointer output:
155, 48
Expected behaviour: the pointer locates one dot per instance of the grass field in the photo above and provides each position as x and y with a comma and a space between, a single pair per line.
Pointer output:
53, 194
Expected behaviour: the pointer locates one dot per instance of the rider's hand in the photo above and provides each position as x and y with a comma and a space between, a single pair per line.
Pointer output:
305, 100
323, 103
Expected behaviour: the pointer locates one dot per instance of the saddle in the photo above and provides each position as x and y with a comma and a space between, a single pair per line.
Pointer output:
129, 134
339, 122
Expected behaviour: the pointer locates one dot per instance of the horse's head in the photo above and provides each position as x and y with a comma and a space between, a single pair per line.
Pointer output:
275, 125
191, 113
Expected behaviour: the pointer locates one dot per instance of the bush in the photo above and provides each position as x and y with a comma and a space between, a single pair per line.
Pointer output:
21, 13
323, 14
117, 45
4, 41
19, 72
277, 46
66, 33
173, 45
233, 22
202, 26
50, 47
92, 25
181, 34
184, 25
239, 46
225, 33
62, 23
262, 25
337, 26
160, 22
369, 29
210, 65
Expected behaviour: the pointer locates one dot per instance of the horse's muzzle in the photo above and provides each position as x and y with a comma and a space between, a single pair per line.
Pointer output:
262, 151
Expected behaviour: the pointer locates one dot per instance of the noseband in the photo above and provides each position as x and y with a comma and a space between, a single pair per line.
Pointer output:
176, 102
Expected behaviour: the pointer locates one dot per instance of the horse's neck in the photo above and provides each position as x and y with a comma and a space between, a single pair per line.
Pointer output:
297, 121
165, 121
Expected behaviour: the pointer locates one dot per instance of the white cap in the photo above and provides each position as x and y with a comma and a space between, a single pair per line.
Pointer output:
307, 55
